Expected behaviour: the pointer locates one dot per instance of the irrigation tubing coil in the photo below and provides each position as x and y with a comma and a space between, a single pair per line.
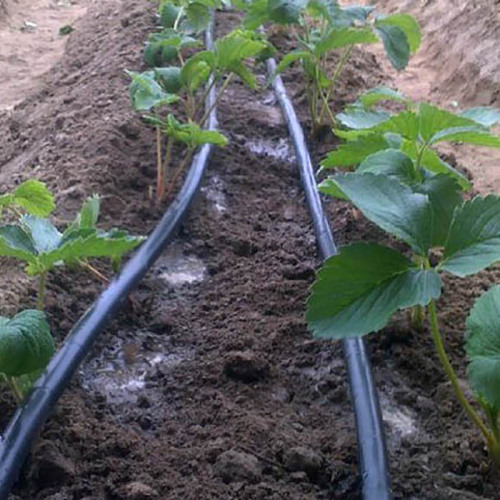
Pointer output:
372, 451
28, 419
24, 426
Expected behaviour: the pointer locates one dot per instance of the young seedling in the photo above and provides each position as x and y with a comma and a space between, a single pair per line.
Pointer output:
26, 346
358, 290
38, 243
323, 26
156, 90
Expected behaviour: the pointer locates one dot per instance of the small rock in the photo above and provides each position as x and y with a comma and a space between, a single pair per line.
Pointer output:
234, 466
246, 366
139, 491
298, 477
303, 459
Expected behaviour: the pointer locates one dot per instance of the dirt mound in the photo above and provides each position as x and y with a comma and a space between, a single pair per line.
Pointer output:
459, 59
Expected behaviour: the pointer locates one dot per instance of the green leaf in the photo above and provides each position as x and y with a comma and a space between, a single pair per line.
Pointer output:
470, 135
289, 59
337, 38
406, 23
196, 70
87, 243
34, 197
44, 234
351, 15
431, 162
235, 48
89, 213
358, 290
393, 206
256, 14
378, 94
285, 11
354, 152
198, 16
392, 163
146, 93
474, 240
405, 124
15, 242
482, 344
445, 195
395, 43
486, 116
191, 133
357, 119
26, 344
434, 120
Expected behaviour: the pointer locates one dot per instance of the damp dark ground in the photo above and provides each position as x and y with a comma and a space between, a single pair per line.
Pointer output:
208, 384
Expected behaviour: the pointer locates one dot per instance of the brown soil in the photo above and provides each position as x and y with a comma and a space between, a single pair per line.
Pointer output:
30, 43
211, 387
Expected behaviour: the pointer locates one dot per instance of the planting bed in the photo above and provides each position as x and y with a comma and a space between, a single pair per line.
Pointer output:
209, 385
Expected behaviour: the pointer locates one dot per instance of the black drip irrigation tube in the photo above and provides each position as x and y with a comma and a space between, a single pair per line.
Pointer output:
372, 453
29, 418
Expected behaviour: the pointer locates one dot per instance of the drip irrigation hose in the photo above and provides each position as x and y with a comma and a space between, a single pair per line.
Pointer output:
28, 419
372, 453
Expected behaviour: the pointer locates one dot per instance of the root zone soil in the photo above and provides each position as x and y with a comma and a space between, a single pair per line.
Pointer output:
210, 386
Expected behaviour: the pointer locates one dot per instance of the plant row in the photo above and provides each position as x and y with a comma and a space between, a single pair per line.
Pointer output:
398, 181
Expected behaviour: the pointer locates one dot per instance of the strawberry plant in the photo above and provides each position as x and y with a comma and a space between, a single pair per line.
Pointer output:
359, 289
37, 242
324, 26
31, 197
403, 144
26, 346
188, 85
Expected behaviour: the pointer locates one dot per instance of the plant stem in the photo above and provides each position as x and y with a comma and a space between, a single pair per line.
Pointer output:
227, 81
159, 165
42, 286
343, 59
14, 388
417, 316
452, 376
168, 158
178, 18
207, 90
492, 416
93, 271
177, 174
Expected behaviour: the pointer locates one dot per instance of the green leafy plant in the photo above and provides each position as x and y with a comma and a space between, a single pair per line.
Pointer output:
26, 346
30, 197
37, 242
172, 98
404, 144
323, 26
358, 290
